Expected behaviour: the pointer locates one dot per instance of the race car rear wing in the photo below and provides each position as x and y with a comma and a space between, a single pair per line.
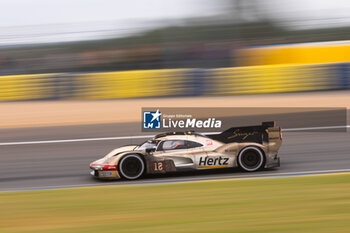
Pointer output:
265, 132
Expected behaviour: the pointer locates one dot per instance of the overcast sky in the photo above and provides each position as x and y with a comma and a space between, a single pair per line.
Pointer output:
24, 12
75, 19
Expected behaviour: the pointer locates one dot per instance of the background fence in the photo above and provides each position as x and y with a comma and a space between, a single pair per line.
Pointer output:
176, 82
300, 53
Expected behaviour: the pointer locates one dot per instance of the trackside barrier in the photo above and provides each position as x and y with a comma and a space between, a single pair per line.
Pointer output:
131, 84
274, 79
176, 82
25, 87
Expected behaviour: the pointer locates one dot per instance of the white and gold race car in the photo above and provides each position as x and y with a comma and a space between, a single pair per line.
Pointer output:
250, 148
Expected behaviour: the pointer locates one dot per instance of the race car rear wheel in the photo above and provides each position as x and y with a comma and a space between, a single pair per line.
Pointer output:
251, 159
131, 167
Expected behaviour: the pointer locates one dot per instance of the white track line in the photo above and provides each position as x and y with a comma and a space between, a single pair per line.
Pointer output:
316, 128
182, 180
75, 140
150, 136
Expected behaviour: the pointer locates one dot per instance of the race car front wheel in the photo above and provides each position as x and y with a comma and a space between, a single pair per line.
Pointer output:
131, 167
251, 159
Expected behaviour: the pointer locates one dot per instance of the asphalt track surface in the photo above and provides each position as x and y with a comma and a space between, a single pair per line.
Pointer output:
66, 164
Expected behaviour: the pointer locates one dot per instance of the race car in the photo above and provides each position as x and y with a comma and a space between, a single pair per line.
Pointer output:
250, 148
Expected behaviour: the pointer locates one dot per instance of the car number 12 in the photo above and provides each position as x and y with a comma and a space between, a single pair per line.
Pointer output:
158, 166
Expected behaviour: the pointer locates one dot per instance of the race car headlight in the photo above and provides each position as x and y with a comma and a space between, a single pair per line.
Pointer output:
95, 166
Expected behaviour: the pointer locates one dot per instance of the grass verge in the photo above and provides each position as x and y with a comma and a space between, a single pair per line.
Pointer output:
296, 204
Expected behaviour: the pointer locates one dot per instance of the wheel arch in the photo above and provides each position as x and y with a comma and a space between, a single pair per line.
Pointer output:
118, 157
256, 145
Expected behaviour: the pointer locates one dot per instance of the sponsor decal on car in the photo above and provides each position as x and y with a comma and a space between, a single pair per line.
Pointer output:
209, 142
244, 135
230, 150
106, 173
210, 162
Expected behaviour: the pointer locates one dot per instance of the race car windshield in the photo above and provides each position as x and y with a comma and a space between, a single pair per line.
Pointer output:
146, 145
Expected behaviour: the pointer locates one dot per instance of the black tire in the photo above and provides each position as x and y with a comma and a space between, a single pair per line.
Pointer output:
251, 159
131, 167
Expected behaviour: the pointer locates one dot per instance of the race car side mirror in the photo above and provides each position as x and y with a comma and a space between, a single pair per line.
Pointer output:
149, 150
